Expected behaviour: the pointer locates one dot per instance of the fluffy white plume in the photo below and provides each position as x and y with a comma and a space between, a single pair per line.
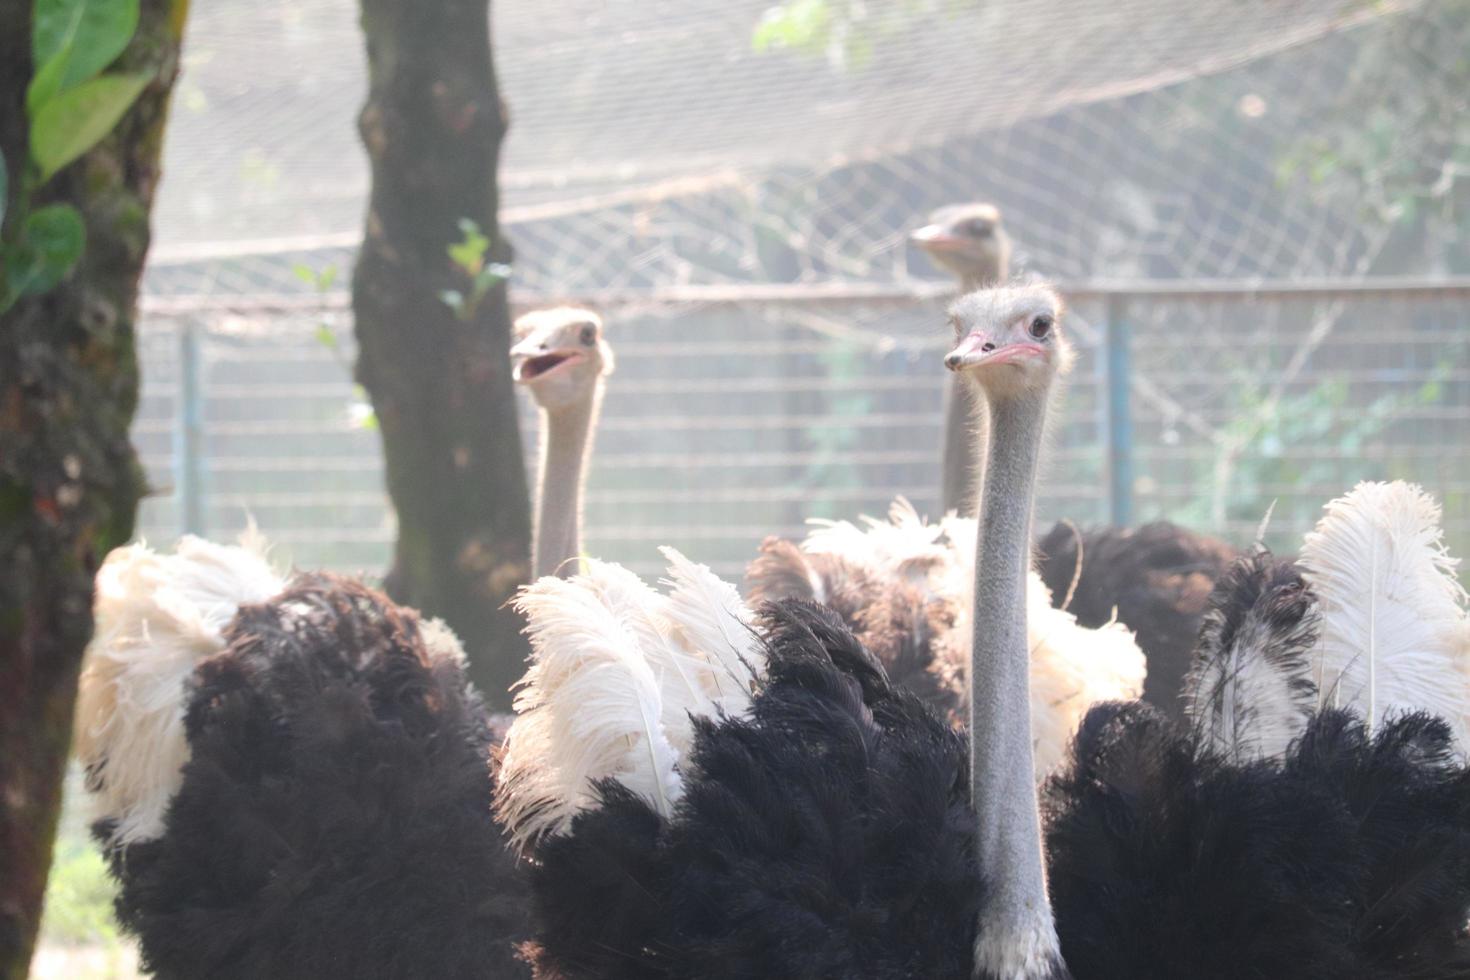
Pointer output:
618, 671
1394, 633
1072, 668
157, 616
714, 626
590, 707
904, 544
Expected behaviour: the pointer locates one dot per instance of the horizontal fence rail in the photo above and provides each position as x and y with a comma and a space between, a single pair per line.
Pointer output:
742, 411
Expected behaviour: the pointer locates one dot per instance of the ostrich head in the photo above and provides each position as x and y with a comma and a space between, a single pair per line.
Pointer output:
1008, 341
969, 241
559, 354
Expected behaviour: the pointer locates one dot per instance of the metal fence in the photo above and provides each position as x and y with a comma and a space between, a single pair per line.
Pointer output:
742, 411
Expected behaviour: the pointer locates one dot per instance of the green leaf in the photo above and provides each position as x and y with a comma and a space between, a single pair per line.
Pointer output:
50, 244
469, 254
304, 272
72, 40
76, 120
325, 337
800, 24
326, 277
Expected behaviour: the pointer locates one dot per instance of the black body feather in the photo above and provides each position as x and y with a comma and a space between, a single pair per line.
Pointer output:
1350, 858
334, 819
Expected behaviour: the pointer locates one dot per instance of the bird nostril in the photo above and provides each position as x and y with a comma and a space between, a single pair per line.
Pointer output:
952, 360
988, 348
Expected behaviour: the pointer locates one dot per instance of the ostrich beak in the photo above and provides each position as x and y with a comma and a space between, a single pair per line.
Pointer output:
976, 349
529, 347
934, 236
532, 359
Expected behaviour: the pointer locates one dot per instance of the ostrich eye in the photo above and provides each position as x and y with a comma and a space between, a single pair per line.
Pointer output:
1040, 326
979, 229
589, 334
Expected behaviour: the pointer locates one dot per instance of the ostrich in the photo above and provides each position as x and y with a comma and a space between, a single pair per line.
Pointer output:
825, 823
969, 241
560, 356
292, 775
1154, 579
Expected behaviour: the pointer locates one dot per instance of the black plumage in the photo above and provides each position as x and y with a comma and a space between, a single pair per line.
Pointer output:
600, 894
1157, 577
1347, 858
334, 819
829, 834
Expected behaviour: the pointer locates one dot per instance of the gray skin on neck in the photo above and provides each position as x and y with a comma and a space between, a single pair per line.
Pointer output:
969, 241
561, 357
1013, 373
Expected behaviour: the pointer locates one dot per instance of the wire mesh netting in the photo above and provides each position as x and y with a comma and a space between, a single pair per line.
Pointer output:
763, 419
741, 217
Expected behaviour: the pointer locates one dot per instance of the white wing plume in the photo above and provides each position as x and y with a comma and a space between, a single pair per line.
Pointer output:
157, 616
1395, 635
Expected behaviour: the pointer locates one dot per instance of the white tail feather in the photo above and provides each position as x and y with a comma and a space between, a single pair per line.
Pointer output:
157, 617
714, 625
684, 687
590, 709
618, 673
904, 544
1395, 635
1072, 668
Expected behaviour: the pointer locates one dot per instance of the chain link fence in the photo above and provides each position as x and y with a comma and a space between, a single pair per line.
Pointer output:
729, 419
735, 197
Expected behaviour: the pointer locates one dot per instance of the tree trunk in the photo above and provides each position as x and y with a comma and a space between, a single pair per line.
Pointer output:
69, 482
439, 380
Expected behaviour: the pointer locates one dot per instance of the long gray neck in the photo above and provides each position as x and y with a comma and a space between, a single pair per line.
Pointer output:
566, 442
1017, 938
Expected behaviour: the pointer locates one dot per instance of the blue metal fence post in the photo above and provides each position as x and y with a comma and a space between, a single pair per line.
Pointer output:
1117, 346
189, 432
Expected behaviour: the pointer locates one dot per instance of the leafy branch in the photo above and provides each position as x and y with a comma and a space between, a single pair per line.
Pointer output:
72, 103
469, 256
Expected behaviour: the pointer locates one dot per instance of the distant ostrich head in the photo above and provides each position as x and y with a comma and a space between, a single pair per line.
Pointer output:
969, 241
559, 354
1009, 341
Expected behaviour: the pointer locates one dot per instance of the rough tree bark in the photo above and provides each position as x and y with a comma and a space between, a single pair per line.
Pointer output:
441, 384
69, 482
